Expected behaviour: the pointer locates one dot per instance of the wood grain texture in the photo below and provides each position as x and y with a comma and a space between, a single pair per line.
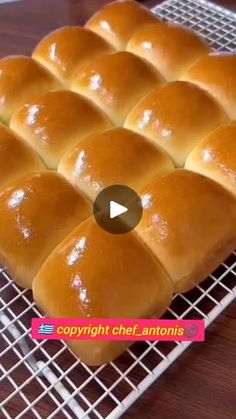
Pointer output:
201, 384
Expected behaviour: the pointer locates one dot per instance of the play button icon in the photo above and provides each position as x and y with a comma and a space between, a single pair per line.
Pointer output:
117, 209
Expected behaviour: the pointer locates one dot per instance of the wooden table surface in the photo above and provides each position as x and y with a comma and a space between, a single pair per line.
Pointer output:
202, 383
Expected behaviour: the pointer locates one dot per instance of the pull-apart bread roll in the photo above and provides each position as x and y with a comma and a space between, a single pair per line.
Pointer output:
21, 78
17, 159
189, 222
54, 122
66, 50
216, 73
215, 157
36, 213
116, 82
117, 156
118, 21
176, 117
171, 48
124, 280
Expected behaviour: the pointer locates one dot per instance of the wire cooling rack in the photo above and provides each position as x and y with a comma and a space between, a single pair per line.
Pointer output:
43, 379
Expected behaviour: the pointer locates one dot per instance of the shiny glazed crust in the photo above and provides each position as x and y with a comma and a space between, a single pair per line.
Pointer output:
21, 78
171, 48
176, 117
118, 21
216, 73
17, 159
116, 82
67, 50
185, 226
215, 157
123, 281
56, 121
36, 213
114, 157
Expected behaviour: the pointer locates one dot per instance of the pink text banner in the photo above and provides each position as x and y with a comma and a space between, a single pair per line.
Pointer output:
118, 329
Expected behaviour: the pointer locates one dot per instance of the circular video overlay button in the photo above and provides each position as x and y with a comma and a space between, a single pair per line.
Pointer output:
117, 209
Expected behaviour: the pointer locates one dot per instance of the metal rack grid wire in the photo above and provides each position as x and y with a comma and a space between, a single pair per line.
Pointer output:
43, 379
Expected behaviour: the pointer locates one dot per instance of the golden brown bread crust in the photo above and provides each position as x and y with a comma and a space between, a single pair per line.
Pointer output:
184, 223
36, 213
114, 157
118, 21
17, 159
101, 275
176, 117
54, 122
215, 157
66, 50
116, 82
21, 78
171, 48
216, 73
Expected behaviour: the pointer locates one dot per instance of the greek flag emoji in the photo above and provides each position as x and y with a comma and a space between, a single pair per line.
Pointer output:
46, 329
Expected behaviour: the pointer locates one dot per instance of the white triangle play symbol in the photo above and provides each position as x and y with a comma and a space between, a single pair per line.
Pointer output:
116, 209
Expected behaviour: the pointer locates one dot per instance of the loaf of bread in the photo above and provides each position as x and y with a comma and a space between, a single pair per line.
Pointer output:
176, 117
118, 21
171, 48
215, 157
36, 213
54, 122
189, 223
216, 73
94, 274
21, 78
114, 157
143, 97
115, 82
17, 159
67, 50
